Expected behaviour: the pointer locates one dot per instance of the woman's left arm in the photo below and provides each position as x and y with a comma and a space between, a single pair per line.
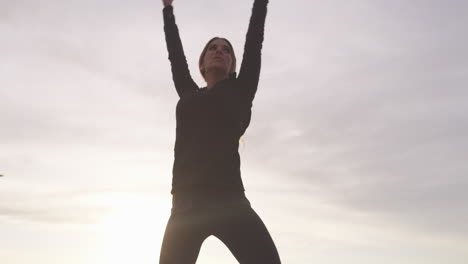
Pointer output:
249, 72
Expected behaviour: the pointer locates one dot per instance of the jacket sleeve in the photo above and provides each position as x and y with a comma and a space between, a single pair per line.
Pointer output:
249, 72
180, 72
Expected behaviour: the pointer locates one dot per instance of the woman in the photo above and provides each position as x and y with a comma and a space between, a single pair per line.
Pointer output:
208, 193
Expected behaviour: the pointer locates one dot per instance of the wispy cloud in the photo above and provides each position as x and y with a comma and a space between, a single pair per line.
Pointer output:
34, 207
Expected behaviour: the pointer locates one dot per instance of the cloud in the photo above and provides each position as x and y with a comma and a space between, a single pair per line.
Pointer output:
34, 207
66, 205
376, 120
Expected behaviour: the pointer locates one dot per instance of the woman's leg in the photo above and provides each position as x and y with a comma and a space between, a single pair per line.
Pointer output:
182, 240
246, 236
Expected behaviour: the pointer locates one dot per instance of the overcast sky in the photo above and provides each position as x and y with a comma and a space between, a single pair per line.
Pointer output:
356, 152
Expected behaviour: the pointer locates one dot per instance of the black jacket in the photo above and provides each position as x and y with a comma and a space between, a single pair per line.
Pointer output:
211, 122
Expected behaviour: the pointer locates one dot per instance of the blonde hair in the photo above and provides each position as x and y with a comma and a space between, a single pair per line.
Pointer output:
202, 56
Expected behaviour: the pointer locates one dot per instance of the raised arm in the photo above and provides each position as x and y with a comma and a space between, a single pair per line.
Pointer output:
180, 72
249, 72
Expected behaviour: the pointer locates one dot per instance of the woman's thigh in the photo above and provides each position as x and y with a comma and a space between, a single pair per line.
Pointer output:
247, 237
182, 240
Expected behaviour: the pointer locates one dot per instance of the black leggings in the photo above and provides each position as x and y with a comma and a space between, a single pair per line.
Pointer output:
229, 218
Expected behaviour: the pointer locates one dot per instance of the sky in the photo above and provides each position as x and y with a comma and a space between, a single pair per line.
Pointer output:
356, 152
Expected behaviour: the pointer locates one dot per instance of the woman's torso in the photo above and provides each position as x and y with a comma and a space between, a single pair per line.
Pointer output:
209, 126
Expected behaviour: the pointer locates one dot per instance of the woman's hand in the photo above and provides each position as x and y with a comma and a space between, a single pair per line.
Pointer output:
167, 2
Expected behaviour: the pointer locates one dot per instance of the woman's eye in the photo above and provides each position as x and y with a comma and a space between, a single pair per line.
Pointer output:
213, 47
227, 50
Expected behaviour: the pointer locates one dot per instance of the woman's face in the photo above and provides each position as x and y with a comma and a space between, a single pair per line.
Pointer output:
218, 57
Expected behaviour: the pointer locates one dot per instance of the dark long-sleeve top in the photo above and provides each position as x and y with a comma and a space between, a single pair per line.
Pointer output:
210, 122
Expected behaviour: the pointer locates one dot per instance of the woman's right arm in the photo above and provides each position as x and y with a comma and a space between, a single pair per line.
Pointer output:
180, 72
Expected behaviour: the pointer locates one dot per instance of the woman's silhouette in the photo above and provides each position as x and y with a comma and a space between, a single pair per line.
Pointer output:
207, 190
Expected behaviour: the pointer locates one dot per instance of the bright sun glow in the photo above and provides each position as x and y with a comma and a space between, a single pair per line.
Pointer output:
133, 229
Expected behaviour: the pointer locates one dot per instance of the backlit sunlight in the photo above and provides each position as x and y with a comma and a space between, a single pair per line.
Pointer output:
132, 231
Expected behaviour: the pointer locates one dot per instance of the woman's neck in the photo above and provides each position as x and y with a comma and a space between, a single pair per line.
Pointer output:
214, 77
